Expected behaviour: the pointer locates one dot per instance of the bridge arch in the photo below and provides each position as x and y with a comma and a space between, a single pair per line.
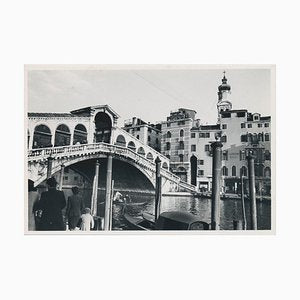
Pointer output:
165, 166
131, 145
42, 137
80, 134
62, 135
141, 151
120, 141
103, 124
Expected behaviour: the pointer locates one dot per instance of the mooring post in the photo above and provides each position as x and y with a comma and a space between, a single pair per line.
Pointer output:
216, 180
252, 195
157, 187
243, 203
238, 225
49, 166
108, 192
95, 190
61, 177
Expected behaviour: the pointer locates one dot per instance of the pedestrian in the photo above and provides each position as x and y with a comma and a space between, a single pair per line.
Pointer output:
87, 221
51, 204
33, 198
74, 209
117, 197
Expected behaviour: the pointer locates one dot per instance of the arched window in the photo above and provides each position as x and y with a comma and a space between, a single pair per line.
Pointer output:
141, 151
267, 137
267, 172
224, 171
260, 137
165, 166
224, 138
168, 146
243, 171
181, 133
120, 141
103, 126
131, 146
181, 145
267, 155
80, 135
250, 138
149, 156
62, 136
41, 137
233, 171
169, 134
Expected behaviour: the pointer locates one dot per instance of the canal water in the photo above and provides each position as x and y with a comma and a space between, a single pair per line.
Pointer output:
230, 209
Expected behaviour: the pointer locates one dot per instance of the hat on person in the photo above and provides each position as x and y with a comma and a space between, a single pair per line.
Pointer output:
51, 182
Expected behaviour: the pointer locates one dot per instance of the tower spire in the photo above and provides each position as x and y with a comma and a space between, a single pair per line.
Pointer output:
224, 91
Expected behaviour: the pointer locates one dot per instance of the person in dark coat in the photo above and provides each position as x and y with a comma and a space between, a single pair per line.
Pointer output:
51, 203
74, 208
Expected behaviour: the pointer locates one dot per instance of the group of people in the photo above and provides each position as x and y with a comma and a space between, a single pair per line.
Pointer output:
46, 212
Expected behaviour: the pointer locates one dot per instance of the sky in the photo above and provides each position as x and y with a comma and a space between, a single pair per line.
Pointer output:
148, 94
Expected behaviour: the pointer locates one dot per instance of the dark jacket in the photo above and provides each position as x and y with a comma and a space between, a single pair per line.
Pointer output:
51, 203
75, 206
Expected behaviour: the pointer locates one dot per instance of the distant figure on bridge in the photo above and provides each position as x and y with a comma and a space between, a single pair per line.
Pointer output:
75, 207
117, 197
87, 221
51, 204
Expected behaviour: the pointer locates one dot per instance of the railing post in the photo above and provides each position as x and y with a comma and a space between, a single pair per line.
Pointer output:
252, 194
49, 166
243, 203
61, 176
157, 187
216, 180
108, 192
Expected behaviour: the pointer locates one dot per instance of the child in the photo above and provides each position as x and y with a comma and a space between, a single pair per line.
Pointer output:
87, 221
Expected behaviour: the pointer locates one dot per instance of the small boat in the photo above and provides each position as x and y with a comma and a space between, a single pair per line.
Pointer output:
171, 220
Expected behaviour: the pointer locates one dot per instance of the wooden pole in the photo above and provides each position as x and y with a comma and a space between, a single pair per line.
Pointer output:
49, 166
111, 204
238, 225
95, 190
252, 195
61, 177
243, 204
216, 180
108, 192
157, 188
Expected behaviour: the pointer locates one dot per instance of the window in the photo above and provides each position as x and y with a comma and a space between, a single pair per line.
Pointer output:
193, 147
150, 130
242, 155
156, 141
200, 172
75, 178
168, 146
223, 138
201, 162
225, 155
169, 134
206, 147
256, 118
207, 135
138, 129
243, 171
181, 157
224, 126
260, 137
66, 177
267, 137
267, 124
244, 138
249, 125
201, 135
181, 145
193, 135
226, 115
149, 139
181, 123
224, 171
240, 114
168, 124
233, 171
267, 155
243, 125
259, 125
137, 136
181, 134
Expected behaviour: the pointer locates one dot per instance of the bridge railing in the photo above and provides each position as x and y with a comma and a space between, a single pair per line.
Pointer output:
58, 152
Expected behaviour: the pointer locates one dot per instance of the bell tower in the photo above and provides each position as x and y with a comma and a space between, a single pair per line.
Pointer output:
224, 92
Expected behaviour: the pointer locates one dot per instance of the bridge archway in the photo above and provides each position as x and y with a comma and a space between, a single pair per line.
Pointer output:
141, 151
165, 165
42, 137
80, 134
103, 126
150, 156
131, 145
62, 136
120, 141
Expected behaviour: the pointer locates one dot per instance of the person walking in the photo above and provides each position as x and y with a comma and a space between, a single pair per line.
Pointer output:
87, 220
33, 198
51, 204
74, 208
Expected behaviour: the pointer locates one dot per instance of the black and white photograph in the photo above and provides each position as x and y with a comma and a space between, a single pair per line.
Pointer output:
150, 148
